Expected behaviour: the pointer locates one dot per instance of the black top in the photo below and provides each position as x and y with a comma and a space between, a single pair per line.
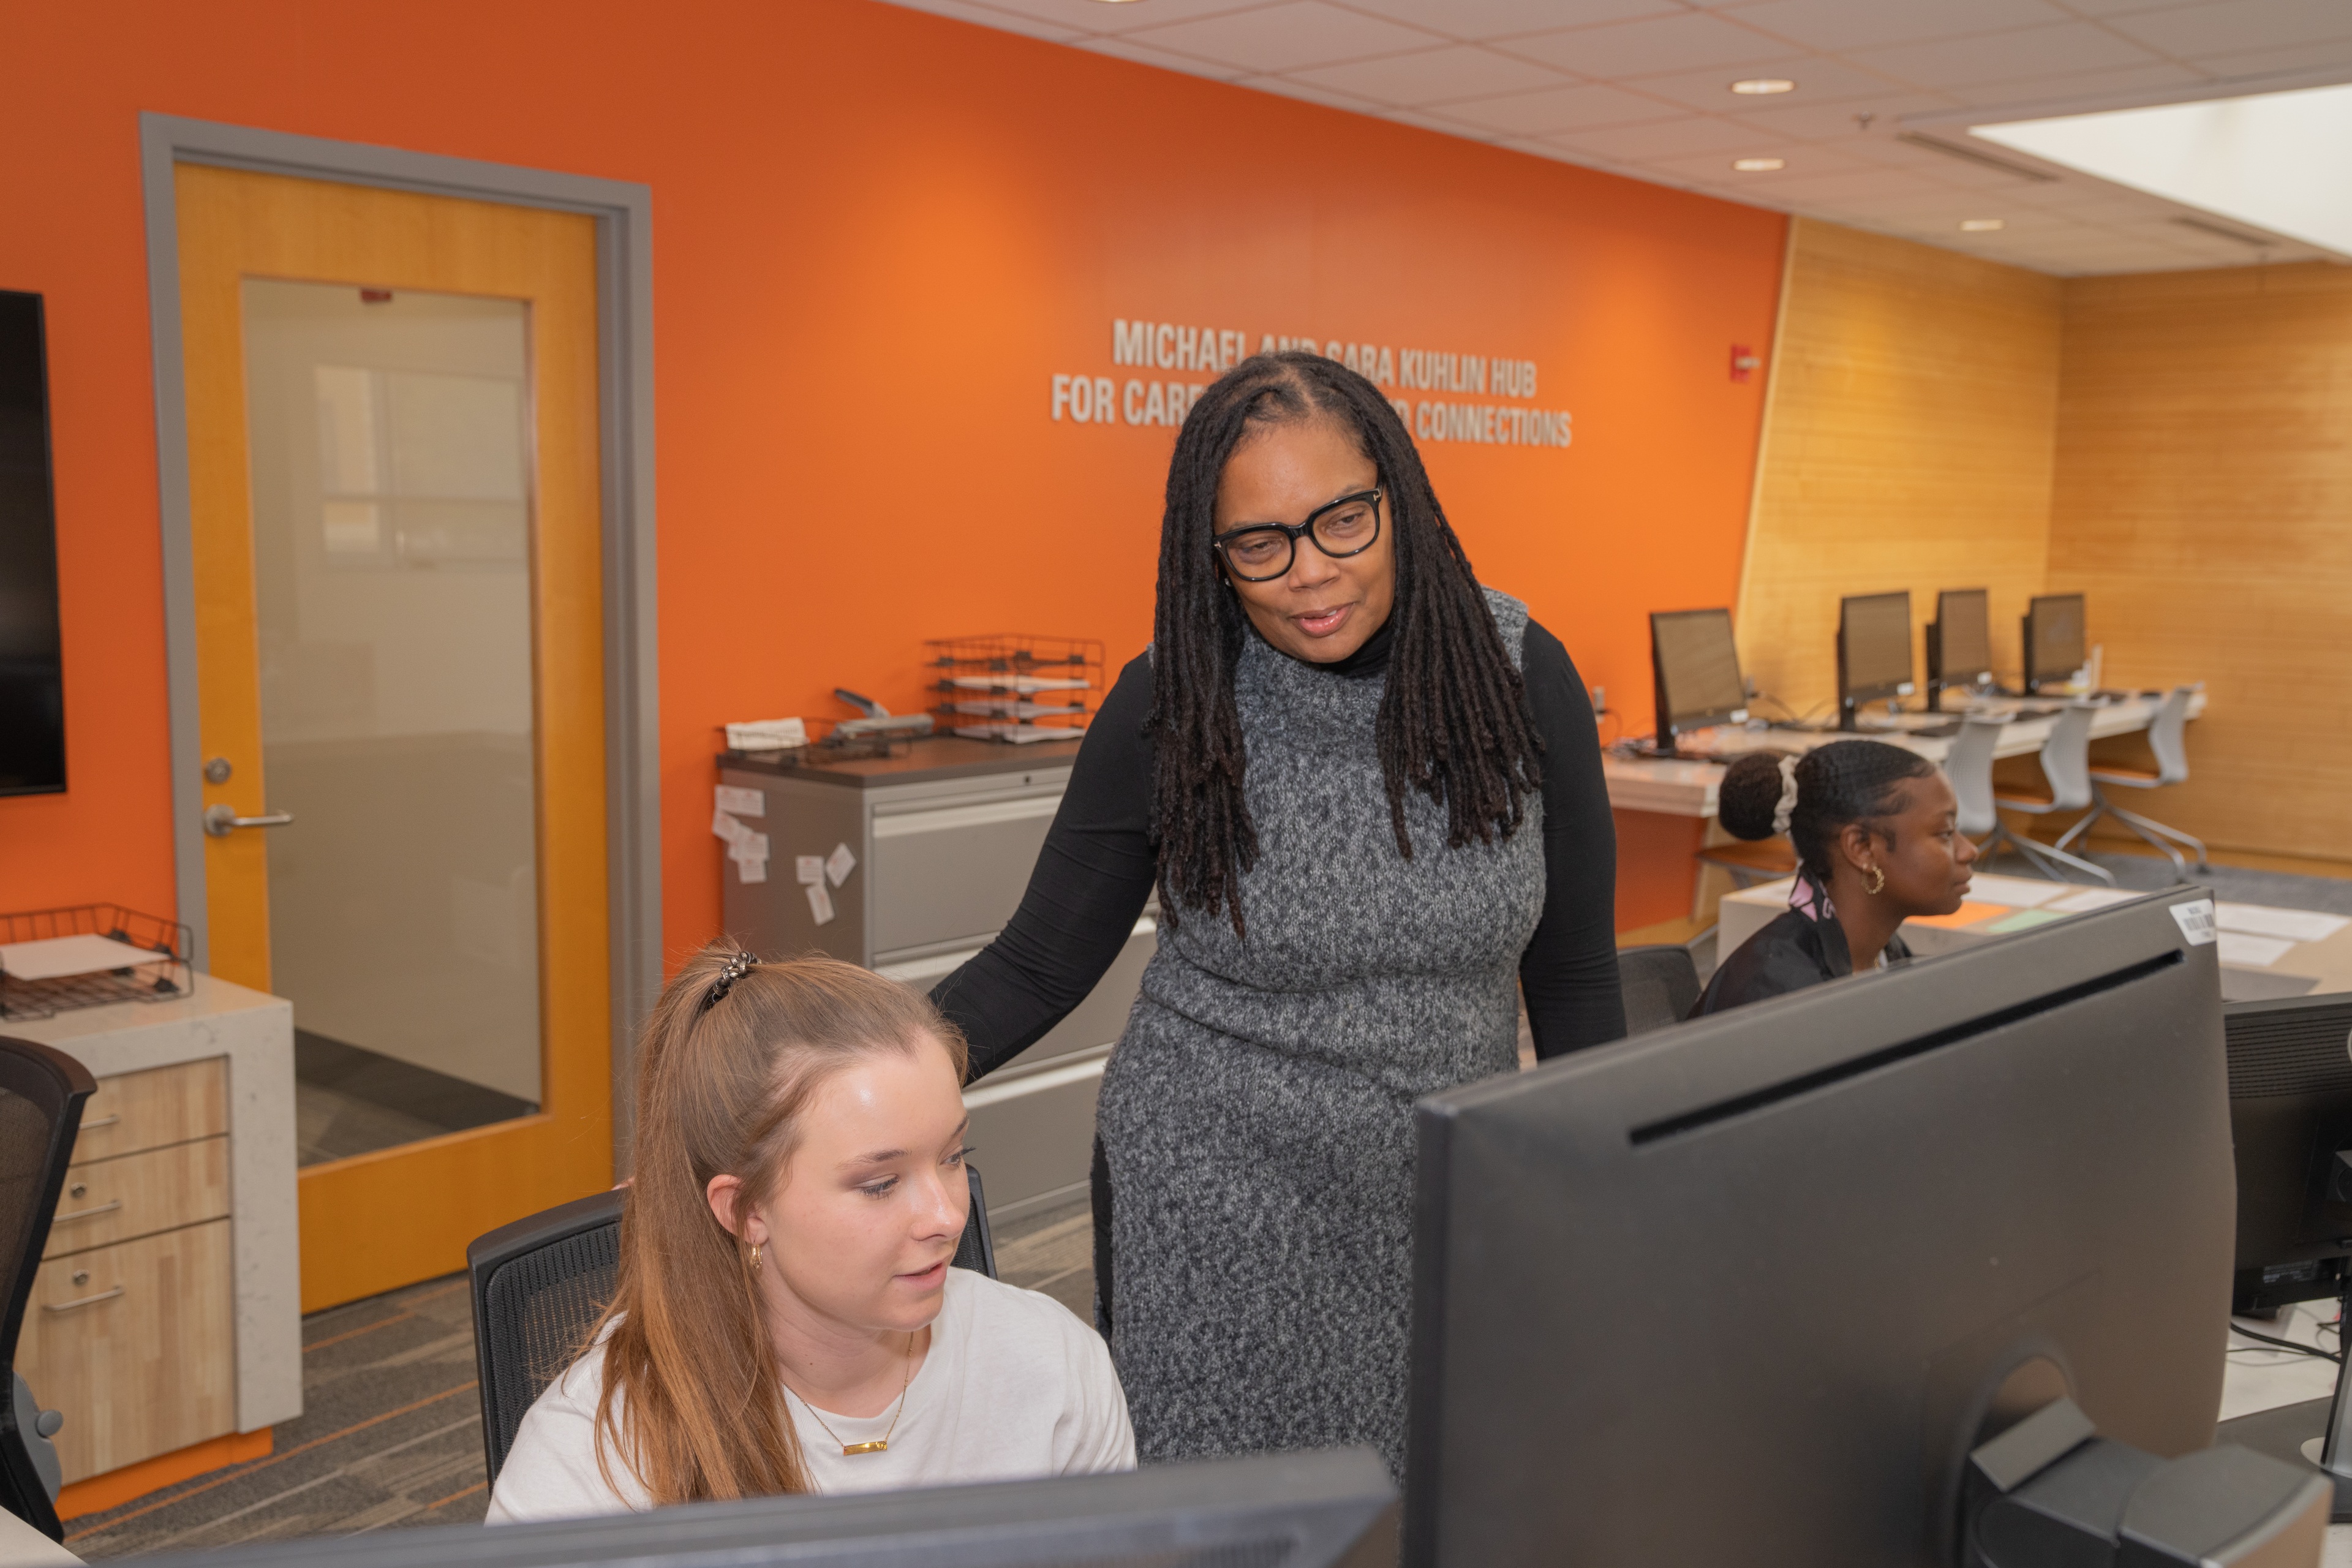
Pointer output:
1794, 950
1098, 867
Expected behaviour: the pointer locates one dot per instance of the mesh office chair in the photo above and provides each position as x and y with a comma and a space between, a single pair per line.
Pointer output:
42, 1093
2167, 739
2066, 763
539, 1283
1660, 982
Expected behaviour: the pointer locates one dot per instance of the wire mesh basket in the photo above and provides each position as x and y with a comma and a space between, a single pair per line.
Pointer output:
1015, 688
158, 971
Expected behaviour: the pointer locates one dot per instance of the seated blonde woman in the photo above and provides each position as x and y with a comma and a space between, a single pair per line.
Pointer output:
786, 1319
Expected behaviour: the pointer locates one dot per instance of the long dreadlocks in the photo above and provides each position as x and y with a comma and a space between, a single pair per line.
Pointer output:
1453, 720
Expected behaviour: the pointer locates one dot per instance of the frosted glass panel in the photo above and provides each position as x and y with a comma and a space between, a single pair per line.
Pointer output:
391, 444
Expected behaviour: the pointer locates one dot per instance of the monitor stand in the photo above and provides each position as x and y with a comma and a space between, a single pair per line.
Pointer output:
2303, 1434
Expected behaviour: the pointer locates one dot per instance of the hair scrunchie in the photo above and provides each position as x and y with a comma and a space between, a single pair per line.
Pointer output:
1788, 807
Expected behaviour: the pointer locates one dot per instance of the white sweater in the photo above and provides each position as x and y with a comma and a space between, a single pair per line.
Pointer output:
1013, 1387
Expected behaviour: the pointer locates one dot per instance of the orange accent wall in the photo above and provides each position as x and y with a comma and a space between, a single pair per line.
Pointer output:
878, 233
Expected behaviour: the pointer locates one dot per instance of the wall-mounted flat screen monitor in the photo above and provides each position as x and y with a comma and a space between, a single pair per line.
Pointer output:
1874, 649
1696, 669
1960, 642
2054, 644
32, 678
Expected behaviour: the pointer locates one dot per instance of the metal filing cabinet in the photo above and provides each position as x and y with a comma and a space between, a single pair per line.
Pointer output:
945, 837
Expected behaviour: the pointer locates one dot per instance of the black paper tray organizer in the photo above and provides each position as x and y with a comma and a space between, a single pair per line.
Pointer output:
1015, 688
157, 971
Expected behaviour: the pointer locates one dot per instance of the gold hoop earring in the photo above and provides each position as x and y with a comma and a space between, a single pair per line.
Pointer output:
755, 1258
1877, 880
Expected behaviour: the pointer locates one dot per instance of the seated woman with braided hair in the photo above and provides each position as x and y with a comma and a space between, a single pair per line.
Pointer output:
786, 1319
1878, 841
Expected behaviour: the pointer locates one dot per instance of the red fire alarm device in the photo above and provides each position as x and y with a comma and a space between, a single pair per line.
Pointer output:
1744, 362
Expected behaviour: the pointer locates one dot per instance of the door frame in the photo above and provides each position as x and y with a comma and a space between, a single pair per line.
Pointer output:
623, 212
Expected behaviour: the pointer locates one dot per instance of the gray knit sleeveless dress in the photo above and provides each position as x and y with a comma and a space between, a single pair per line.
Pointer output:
1257, 1113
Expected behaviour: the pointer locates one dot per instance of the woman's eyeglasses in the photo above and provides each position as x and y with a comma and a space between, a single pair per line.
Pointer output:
1265, 550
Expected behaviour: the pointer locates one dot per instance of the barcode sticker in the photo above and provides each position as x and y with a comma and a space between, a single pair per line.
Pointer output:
2196, 919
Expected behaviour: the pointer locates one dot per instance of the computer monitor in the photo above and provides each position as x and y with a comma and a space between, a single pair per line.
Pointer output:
2291, 1121
1695, 667
1874, 649
1330, 1510
1749, 1289
2055, 646
1960, 642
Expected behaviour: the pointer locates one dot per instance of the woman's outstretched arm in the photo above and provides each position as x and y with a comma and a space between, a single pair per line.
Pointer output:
1568, 973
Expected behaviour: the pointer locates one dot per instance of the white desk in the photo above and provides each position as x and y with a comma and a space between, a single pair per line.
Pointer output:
2258, 970
2258, 1379
1688, 788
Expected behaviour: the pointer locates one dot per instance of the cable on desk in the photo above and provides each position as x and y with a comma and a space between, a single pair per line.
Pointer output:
2298, 1348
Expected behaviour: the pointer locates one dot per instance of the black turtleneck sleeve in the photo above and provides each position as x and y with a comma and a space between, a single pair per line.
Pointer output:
1568, 973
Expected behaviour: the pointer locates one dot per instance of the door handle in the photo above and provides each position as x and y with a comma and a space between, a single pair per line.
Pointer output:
88, 1214
220, 821
83, 1301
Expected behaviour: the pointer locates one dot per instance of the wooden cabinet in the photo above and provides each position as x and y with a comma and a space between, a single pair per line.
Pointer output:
130, 1331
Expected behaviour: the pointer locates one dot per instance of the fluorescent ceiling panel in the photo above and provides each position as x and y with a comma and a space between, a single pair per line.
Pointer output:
2277, 161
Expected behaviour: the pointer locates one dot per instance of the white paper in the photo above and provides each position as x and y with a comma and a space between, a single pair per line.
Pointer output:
52, 957
751, 846
725, 827
819, 902
2296, 925
751, 870
2015, 893
2089, 899
1018, 683
2252, 951
2195, 919
766, 735
741, 802
809, 870
840, 863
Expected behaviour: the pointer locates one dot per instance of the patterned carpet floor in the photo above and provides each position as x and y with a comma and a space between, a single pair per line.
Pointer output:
390, 1430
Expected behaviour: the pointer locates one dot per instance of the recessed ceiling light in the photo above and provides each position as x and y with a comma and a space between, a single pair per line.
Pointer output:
1760, 86
1758, 165
1983, 225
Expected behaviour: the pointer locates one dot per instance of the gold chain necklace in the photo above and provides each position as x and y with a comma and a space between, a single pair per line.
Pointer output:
883, 1443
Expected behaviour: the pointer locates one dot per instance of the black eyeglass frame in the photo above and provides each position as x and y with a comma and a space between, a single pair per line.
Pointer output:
1294, 532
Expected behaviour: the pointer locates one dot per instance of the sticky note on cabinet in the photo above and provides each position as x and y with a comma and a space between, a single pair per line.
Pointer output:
725, 827
809, 870
741, 802
820, 904
840, 863
750, 871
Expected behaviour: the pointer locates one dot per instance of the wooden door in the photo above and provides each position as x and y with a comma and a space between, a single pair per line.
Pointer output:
427, 557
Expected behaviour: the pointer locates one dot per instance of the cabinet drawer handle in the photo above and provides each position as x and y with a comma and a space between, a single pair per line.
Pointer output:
82, 1301
101, 1122
88, 1214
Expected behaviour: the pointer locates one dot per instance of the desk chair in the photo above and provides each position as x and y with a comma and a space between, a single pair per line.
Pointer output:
42, 1093
2065, 761
540, 1283
1660, 982
2165, 737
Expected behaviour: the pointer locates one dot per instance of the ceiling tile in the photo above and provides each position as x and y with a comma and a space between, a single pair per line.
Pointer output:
2079, 85
1819, 80
1845, 26
1286, 37
1695, 133
2027, 53
2235, 27
1796, 188
1444, 127
2333, 55
1308, 92
1499, 18
1818, 121
1436, 76
2118, 8
1690, 41
1802, 160
1559, 109
1144, 54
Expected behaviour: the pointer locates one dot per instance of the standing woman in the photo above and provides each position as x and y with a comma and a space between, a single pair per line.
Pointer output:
1368, 791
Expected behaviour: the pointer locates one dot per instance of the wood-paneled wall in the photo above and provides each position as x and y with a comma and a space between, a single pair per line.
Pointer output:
1907, 444
2203, 502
